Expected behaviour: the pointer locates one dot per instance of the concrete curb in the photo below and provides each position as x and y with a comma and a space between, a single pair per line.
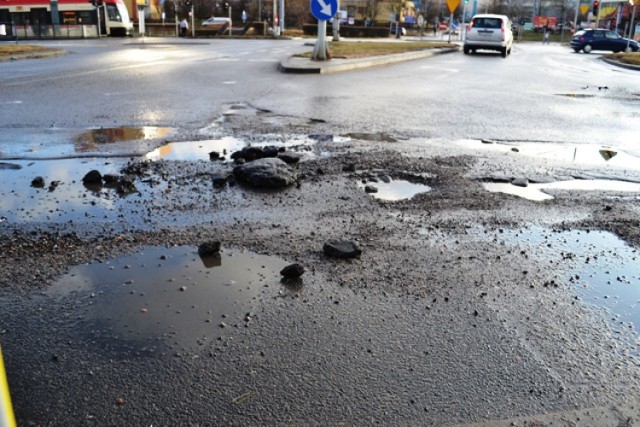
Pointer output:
34, 55
621, 64
307, 66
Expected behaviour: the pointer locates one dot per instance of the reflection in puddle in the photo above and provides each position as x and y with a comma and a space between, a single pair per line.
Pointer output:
536, 191
196, 150
69, 200
169, 294
395, 190
225, 146
90, 139
588, 154
606, 272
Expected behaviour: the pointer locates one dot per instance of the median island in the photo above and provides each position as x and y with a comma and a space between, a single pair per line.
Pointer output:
353, 50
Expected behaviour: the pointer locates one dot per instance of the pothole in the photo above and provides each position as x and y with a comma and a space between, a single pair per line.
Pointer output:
605, 270
391, 190
537, 192
222, 148
90, 139
169, 296
588, 154
60, 143
61, 196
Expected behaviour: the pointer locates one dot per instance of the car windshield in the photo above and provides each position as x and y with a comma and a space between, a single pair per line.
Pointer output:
487, 23
611, 35
579, 33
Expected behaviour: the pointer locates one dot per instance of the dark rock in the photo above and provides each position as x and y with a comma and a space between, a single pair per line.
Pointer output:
249, 154
38, 182
9, 166
290, 157
385, 178
341, 249
214, 155
351, 167
110, 179
265, 173
219, 180
92, 177
370, 189
53, 186
209, 248
292, 271
125, 186
520, 182
270, 151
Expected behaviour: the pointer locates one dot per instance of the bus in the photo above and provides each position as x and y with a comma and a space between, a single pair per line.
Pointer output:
30, 19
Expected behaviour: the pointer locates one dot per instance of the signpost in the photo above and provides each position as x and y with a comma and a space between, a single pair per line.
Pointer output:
323, 10
452, 5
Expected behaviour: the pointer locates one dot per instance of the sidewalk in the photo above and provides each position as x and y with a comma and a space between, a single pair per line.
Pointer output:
307, 66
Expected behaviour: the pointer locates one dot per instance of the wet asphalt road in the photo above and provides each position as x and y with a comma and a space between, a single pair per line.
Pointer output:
448, 317
541, 93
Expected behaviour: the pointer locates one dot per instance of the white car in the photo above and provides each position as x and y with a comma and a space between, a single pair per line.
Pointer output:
215, 23
489, 32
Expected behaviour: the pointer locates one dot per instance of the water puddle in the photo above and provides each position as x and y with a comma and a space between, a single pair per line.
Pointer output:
63, 143
225, 146
169, 296
606, 271
61, 195
394, 190
587, 154
536, 192
196, 150
92, 138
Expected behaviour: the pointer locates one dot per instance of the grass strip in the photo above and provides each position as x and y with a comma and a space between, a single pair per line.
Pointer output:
632, 58
350, 50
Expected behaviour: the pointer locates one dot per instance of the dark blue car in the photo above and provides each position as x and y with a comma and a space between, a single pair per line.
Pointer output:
600, 39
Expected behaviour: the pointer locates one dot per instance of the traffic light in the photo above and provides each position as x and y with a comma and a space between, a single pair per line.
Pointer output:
596, 7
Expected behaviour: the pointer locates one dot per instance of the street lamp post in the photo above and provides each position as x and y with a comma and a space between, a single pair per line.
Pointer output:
633, 14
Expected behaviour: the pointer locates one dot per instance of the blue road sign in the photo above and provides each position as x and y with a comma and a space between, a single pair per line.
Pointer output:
324, 10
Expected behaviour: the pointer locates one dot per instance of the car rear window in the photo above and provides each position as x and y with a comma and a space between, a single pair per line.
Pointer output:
495, 23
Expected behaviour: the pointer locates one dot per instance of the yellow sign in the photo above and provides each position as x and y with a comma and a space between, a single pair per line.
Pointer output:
453, 5
584, 8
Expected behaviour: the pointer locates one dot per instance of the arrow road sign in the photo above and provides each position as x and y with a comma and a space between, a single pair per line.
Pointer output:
324, 10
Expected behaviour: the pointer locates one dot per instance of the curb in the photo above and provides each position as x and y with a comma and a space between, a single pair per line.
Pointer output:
621, 64
34, 55
307, 66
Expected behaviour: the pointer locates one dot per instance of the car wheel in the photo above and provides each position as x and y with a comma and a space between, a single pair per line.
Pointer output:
466, 50
587, 48
503, 52
576, 50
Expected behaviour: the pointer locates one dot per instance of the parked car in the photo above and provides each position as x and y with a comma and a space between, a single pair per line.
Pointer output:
216, 22
489, 32
601, 39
